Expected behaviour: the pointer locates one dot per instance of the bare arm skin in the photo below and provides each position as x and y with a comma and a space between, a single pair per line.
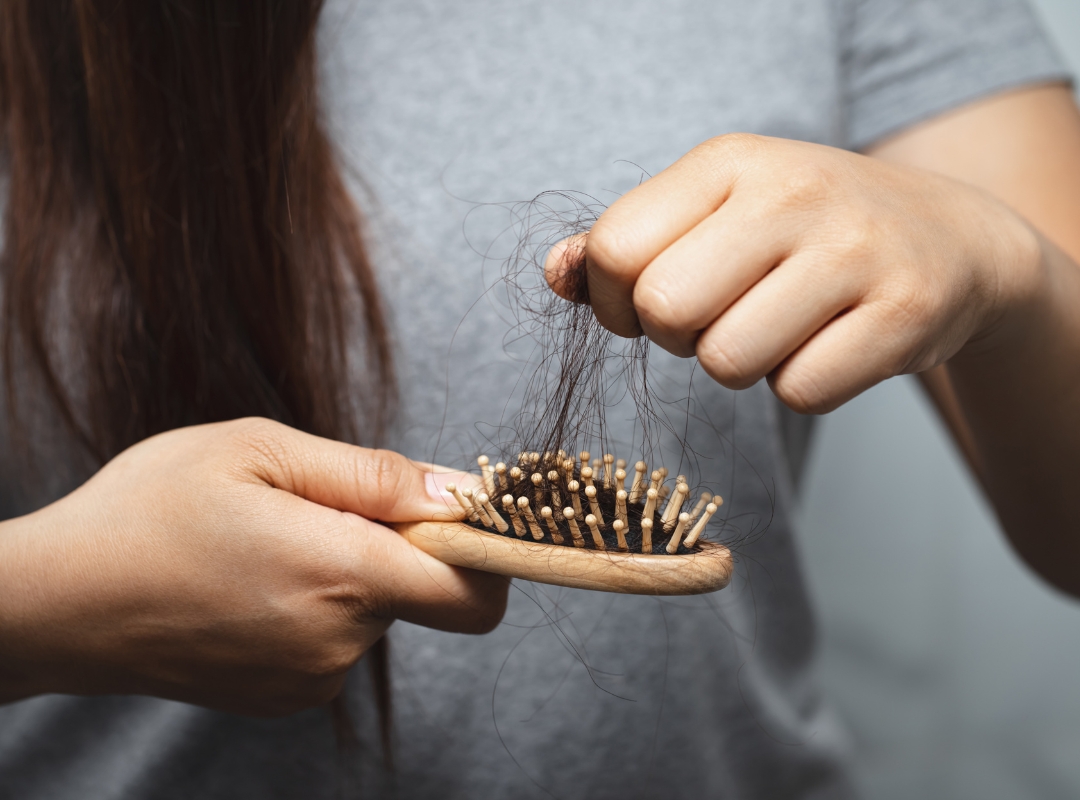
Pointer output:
1014, 404
952, 252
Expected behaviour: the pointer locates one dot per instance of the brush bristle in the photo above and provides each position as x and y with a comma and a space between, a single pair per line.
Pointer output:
566, 502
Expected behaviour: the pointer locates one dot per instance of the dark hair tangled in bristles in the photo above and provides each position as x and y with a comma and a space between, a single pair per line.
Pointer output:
558, 499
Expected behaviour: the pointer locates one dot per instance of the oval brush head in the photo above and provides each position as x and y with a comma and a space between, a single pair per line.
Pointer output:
565, 523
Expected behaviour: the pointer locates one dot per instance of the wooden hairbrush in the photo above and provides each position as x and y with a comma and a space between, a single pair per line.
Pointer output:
557, 520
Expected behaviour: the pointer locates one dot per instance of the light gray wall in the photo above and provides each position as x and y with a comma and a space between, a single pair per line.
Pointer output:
957, 671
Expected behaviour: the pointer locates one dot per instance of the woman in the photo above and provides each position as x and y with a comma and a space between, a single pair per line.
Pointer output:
173, 195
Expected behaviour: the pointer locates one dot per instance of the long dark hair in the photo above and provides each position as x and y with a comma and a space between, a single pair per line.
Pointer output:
173, 199
179, 243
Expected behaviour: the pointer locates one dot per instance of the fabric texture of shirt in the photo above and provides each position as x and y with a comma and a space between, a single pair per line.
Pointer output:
449, 113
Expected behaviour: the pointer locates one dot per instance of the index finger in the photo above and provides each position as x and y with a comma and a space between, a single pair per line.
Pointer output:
645, 221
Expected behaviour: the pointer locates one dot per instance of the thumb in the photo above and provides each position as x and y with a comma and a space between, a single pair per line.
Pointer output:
374, 484
564, 269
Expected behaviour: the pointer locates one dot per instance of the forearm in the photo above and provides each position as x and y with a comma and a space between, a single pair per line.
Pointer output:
1011, 398
1019, 391
19, 676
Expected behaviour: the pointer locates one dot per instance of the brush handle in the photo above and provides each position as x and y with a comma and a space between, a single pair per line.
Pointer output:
705, 570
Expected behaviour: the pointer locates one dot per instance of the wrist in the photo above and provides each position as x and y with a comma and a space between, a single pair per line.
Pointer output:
44, 596
21, 673
1021, 288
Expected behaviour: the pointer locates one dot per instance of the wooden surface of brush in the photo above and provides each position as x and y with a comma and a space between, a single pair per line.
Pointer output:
706, 568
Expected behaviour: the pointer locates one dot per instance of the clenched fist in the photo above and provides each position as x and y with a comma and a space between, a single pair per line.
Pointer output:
823, 270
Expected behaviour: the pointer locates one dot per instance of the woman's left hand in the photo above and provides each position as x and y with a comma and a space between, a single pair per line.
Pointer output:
823, 270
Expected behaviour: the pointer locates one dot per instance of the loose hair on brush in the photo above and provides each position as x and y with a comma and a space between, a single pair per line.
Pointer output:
179, 243
546, 483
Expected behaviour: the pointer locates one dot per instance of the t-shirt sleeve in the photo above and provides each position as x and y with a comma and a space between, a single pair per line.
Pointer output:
908, 60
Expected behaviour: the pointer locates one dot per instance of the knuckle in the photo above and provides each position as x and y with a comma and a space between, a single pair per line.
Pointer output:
858, 240
383, 473
254, 429
258, 445
805, 184
609, 248
905, 302
735, 144
258, 435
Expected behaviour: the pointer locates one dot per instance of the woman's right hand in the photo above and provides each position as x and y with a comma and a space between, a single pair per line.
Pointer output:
237, 566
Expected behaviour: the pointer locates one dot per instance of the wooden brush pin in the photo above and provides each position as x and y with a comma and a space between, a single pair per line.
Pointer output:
695, 534
488, 473
673, 545
619, 527
620, 507
598, 540
511, 508
474, 498
516, 475
646, 536
594, 505
587, 476
496, 517
553, 482
674, 506
638, 485
575, 531
650, 505
500, 477
620, 479
556, 537
609, 461
573, 488
662, 487
583, 457
665, 490
655, 480
526, 510
538, 482
701, 503
470, 512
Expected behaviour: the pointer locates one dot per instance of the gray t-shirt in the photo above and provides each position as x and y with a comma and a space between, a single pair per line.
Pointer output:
447, 110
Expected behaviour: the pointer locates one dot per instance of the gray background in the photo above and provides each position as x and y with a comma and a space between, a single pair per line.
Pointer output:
956, 670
